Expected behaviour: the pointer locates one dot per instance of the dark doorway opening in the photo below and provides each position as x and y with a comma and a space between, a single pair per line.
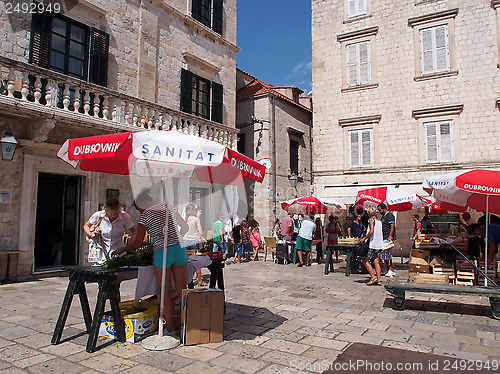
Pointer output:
57, 221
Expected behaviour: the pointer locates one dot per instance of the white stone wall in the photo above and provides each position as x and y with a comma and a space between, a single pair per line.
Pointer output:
398, 137
287, 115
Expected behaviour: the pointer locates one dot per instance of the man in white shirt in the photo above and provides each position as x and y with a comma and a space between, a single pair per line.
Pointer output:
304, 238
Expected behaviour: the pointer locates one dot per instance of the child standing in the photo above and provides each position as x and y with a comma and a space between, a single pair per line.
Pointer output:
256, 243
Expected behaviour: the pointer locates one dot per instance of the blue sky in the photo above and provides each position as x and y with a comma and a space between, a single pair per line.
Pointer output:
275, 41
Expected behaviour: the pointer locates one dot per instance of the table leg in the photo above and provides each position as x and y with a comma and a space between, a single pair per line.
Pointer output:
348, 261
98, 313
84, 302
63, 314
214, 273
112, 295
220, 277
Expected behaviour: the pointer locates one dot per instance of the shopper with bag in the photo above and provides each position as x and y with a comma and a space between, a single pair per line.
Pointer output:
105, 230
376, 245
193, 237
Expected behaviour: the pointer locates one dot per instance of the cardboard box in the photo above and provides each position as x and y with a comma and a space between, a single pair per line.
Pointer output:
140, 319
418, 261
418, 253
202, 316
418, 268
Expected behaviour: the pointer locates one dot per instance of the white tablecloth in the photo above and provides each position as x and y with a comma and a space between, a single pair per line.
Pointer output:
146, 281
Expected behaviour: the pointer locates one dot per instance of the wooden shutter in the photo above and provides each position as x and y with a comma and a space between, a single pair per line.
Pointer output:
431, 142
442, 48
186, 91
445, 144
196, 9
352, 65
41, 31
217, 102
99, 49
366, 148
218, 16
364, 63
426, 51
354, 148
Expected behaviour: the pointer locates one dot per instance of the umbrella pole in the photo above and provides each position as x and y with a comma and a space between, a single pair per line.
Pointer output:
486, 239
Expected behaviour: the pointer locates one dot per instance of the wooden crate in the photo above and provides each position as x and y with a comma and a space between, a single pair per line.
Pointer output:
348, 241
432, 278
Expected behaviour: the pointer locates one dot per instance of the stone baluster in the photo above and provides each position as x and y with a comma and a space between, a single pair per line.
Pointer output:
185, 126
38, 90
234, 142
51, 94
136, 114
204, 131
66, 97
210, 134
191, 129
77, 101
25, 86
151, 119
128, 113
97, 102
86, 103
121, 111
11, 83
173, 124
105, 107
144, 114
159, 121
116, 107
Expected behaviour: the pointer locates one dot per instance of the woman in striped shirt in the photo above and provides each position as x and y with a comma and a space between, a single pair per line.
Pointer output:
152, 219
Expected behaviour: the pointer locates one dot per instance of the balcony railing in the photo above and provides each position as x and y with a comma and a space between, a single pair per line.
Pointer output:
45, 92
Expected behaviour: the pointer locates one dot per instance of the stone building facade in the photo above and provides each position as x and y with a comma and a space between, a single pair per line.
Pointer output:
403, 90
274, 123
95, 67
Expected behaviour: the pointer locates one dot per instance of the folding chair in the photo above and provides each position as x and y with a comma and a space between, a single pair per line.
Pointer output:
270, 242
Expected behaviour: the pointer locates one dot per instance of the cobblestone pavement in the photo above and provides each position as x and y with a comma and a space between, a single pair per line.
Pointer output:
279, 318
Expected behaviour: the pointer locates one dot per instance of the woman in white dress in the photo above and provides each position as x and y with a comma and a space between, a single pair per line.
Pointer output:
376, 245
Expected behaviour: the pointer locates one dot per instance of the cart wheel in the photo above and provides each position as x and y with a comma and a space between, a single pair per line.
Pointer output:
285, 261
398, 303
496, 314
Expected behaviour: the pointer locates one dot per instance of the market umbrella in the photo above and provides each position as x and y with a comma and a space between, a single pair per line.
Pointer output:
475, 189
305, 204
160, 154
434, 208
396, 199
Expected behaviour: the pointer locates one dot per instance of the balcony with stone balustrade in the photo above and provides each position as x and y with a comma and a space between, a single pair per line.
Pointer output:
29, 91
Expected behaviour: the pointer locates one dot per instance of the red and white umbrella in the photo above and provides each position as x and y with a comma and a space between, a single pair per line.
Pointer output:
396, 199
305, 204
434, 208
475, 189
160, 154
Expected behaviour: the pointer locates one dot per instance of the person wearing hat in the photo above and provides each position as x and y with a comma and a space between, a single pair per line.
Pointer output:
304, 239
295, 227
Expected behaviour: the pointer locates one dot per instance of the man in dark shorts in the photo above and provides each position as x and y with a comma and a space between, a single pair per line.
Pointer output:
237, 243
389, 234
304, 239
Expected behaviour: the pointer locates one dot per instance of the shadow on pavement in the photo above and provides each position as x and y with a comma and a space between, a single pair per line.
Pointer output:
246, 322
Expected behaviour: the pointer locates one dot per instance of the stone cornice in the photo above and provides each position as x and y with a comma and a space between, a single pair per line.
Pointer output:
356, 121
450, 110
189, 56
495, 4
415, 21
357, 34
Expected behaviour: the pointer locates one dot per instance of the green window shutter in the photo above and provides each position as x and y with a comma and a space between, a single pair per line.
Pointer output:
218, 13
99, 47
217, 102
196, 9
186, 90
41, 30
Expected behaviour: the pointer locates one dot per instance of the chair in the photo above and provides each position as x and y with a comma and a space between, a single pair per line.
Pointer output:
270, 242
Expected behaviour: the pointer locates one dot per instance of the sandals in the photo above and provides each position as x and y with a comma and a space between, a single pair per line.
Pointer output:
202, 284
374, 282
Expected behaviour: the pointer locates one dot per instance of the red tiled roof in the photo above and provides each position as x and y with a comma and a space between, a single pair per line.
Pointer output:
257, 87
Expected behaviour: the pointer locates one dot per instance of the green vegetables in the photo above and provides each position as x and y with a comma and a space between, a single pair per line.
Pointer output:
130, 259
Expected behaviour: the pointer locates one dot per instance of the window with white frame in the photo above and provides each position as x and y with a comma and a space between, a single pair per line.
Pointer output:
356, 8
358, 62
361, 148
434, 50
439, 141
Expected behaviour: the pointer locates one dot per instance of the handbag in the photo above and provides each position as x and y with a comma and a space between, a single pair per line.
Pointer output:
96, 244
361, 249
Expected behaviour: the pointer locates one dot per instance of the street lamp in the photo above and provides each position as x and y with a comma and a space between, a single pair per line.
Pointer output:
9, 144
293, 179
